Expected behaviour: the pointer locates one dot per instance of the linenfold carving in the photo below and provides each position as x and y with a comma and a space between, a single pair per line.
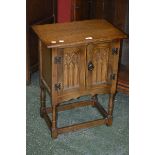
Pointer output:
100, 61
71, 67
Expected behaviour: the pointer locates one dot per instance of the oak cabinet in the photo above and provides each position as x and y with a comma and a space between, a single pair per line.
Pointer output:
77, 59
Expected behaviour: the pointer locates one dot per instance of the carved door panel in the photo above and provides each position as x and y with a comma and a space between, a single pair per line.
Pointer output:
99, 65
71, 71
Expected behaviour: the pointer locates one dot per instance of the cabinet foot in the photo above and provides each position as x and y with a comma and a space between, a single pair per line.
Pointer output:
54, 133
109, 122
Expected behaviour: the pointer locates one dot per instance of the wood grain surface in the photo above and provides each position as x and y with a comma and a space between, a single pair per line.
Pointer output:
75, 32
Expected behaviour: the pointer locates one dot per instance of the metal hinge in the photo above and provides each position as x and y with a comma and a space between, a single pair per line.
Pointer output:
57, 60
114, 51
57, 86
112, 76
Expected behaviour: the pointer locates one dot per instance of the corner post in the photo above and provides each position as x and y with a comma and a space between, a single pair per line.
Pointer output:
54, 94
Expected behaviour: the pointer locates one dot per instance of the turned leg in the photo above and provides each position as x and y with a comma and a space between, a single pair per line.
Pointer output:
42, 100
110, 109
54, 122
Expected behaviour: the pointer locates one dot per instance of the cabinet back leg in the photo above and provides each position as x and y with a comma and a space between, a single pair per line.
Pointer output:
110, 109
54, 122
42, 100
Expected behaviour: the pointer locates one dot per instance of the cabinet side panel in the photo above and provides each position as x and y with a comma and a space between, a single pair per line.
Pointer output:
46, 65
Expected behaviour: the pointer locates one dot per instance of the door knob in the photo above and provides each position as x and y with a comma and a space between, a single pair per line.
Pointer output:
90, 66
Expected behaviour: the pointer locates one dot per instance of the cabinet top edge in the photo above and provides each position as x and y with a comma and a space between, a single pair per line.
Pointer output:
77, 32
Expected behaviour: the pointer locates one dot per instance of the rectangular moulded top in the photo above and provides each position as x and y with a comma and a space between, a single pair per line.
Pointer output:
78, 32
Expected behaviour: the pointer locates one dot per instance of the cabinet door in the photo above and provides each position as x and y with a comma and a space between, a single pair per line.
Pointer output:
71, 71
99, 65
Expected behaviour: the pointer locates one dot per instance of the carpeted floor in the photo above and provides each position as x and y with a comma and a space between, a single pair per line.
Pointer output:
101, 140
